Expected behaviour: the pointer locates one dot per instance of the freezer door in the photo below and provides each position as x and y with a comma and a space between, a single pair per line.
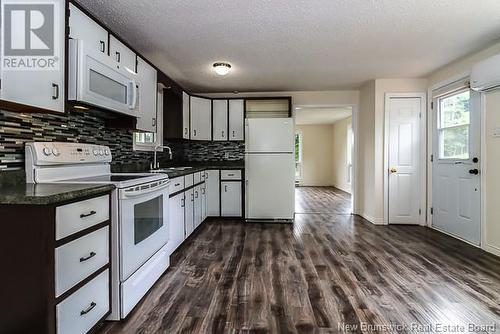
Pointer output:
270, 186
269, 135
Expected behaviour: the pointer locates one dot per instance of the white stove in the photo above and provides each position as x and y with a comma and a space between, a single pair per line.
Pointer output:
139, 220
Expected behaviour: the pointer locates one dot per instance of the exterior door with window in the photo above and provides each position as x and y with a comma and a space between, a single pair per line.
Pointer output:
456, 195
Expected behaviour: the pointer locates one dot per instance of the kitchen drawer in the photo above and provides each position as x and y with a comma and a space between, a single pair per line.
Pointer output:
78, 216
197, 177
230, 174
80, 258
82, 310
176, 184
188, 180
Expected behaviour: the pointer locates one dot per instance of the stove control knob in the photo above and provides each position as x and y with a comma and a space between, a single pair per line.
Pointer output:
47, 151
106, 152
56, 152
101, 152
95, 151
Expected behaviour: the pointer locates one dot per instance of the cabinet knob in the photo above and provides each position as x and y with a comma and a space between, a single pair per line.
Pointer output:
234, 135
222, 134
153, 122
194, 133
118, 56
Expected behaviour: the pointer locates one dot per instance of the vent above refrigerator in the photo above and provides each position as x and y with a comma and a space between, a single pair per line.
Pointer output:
268, 107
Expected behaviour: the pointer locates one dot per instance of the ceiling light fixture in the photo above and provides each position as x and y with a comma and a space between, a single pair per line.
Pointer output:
222, 68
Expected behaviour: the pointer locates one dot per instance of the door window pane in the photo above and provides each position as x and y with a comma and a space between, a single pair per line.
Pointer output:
454, 126
148, 218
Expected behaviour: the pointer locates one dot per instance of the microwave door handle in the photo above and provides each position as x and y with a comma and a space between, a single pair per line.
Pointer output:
136, 193
133, 94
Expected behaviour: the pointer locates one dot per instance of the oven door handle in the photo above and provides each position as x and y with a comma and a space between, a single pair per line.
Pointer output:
136, 193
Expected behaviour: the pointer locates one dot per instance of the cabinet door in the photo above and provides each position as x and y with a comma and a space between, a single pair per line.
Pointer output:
201, 118
220, 119
236, 119
213, 193
185, 115
189, 212
42, 88
197, 206
176, 221
146, 77
90, 32
203, 201
122, 55
231, 199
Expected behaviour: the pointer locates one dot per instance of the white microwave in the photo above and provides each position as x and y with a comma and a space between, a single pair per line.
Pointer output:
94, 79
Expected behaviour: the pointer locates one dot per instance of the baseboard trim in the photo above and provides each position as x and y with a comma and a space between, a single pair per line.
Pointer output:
492, 249
374, 221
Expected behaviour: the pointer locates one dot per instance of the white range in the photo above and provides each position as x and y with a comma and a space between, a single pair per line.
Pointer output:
139, 219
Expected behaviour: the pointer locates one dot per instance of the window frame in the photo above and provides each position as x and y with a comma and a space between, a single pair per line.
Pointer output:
299, 162
440, 129
149, 147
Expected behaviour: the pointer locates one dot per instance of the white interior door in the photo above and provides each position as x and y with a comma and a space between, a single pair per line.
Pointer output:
456, 198
404, 166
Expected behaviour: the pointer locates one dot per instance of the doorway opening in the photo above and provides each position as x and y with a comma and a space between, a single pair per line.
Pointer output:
324, 159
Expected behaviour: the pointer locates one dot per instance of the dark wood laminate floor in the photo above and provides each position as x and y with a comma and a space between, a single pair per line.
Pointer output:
322, 200
324, 272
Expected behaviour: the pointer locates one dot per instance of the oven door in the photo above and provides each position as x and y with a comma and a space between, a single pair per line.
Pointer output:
95, 80
143, 220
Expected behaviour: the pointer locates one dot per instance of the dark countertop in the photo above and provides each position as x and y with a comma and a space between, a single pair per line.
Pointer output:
46, 194
201, 167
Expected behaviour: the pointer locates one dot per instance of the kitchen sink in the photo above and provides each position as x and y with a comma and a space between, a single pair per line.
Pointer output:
170, 169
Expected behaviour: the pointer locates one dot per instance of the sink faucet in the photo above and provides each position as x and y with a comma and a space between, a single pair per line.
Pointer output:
156, 164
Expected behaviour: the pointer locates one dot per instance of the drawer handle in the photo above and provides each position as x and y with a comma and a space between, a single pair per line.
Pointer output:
91, 255
102, 46
196, 194
230, 174
88, 309
177, 184
85, 215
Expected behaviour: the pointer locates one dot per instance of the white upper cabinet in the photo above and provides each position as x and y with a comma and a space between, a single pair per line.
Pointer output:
236, 119
122, 55
220, 119
201, 118
146, 79
90, 32
42, 88
185, 115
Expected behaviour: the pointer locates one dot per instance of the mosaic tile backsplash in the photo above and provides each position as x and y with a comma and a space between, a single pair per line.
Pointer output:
89, 127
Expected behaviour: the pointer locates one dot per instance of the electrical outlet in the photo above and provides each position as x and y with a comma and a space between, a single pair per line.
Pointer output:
226, 155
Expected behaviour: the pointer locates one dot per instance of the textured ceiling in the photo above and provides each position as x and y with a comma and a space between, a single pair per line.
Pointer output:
321, 115
299, 45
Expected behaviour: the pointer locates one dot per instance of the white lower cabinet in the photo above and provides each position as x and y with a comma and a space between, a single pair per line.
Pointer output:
212, 179
82, 310
198, 218
189, 212
176, 215
231, 199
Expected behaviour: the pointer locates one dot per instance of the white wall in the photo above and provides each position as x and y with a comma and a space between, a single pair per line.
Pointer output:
317, 154
491, 159
339, 162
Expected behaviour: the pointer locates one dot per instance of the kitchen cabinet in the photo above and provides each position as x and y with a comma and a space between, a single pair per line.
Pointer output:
201, 118
236, 119
198, 215
122, 55
204, 214
189, 212
147, 80
90, 32
231, 199
176, 221
185, 115
23, 90
59, 267
213, 194
220, 113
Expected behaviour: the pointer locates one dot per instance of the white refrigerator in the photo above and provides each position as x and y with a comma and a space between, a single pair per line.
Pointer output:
269, 169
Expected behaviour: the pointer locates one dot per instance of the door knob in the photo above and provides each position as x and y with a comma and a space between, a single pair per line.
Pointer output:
393, 170
474, 171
